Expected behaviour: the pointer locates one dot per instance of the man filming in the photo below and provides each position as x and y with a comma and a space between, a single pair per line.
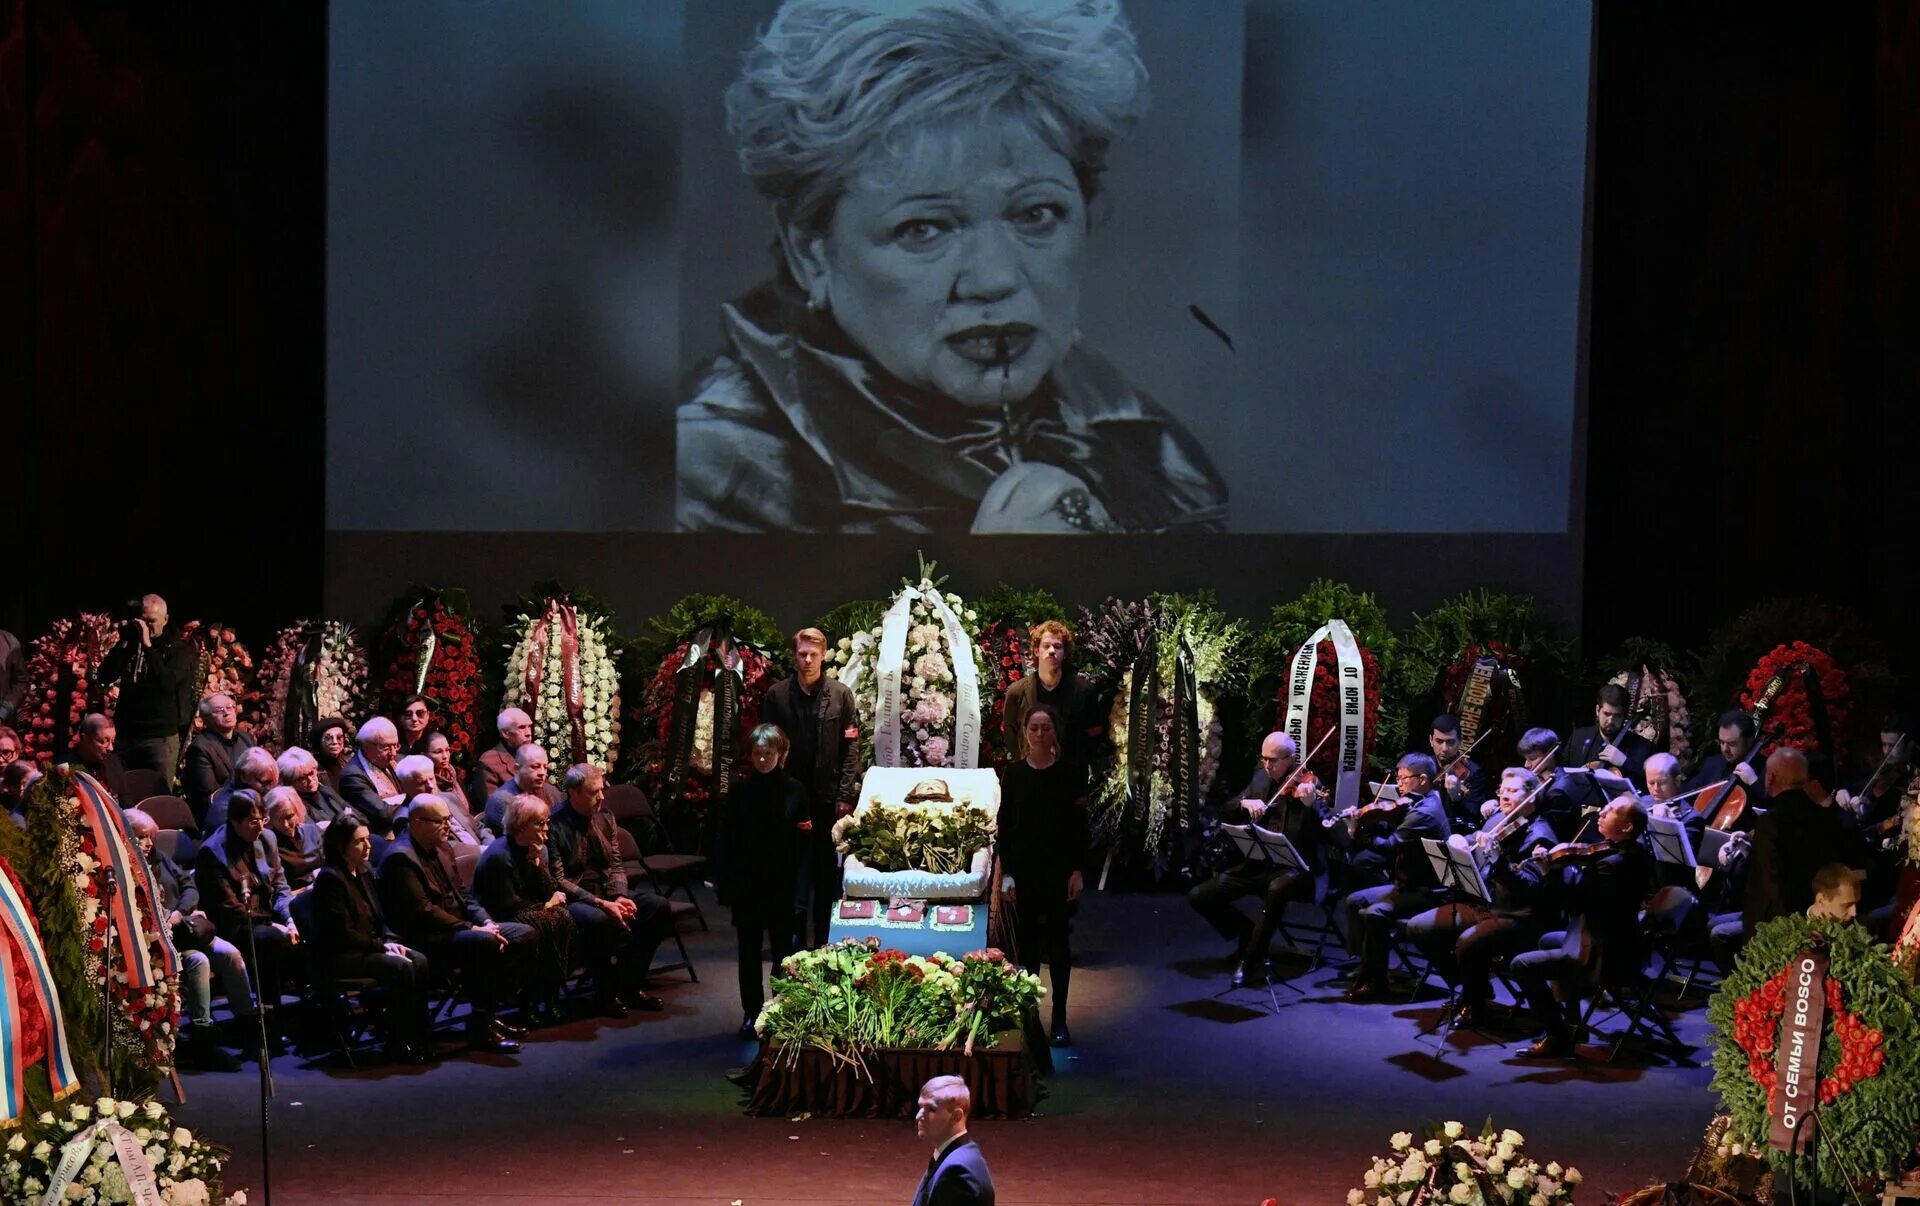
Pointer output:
155, 670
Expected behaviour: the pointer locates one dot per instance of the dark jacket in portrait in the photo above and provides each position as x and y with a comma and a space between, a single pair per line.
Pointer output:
1043, 833
823, 734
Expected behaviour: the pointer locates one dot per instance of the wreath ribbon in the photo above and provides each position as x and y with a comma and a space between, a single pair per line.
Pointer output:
22, 941
890, 667
1183, 754
571, 691
131, 877
143, 1187
1351, 677
729, 681
1141, 734
687, 681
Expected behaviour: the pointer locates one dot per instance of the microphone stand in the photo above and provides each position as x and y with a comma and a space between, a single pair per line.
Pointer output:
266, 1068
106, 983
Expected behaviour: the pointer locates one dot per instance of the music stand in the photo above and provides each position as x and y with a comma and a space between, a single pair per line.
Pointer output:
1455, 868
1257, 845
1670, 842
1710, 842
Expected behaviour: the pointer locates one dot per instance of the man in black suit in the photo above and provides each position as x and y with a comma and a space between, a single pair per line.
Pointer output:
1609, 741
425, 904
1567, 798
1371, 911
214, 752
157, 676
1292, 813
1602, 938
957, 1175
1792, 840
1463, 782
255, 771
367, 781
823, 756
93, 751
1729, 760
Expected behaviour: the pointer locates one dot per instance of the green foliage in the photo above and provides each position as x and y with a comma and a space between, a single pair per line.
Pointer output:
1219, 645
1635, 652
1867, 1132
1290, 624
750, 624
941, 840
858, 615
1483, 617
1023, 607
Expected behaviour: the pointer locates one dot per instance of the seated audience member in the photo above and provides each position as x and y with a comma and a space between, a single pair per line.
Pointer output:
297, 837
301, 771
529, 779
351, 939
415, 721
256, 771
499, 764
244, 889
621, 925
213, 753
467, 828
432, 913
762, 846
367, 781
11, 747
202, 952
93, 752
15, 780
514, 882
331, 743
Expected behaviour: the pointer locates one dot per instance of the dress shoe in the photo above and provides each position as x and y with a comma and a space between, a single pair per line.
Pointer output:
645, 1002
1061, 1036
484, 1038
1548, 1048
1365, 990
508, 1029
746, 1033
1466, 1017
1239, 975
610, 1006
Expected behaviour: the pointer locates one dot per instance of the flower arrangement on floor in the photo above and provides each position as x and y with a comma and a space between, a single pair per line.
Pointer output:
852, 997
1802, 714
712, 654
1169, 658
98, 911
62, 665
1479, 655
942, 840
1288, 627
560, 670
1008, 615
222, 665
185, 1170
429, 648
917, 678
1868, 1076
1452, 1165
314, 668
1658, 709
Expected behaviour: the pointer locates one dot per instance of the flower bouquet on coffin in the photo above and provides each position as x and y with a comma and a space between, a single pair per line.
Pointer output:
222, 665
63, 664
1454, 1165
94, 1152
313, 669
429, 648
561, 672
916, 678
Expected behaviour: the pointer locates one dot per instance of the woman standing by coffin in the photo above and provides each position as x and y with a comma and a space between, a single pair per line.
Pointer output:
1043, 844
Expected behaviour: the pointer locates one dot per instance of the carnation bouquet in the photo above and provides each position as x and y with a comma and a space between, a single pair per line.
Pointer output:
429, 648
852, 997
1453, 1165
314, 668
560, 670
62, 665
916, 678
222, 665
184, 1170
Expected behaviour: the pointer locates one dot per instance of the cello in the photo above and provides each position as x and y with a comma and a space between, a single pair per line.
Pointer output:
1725, 802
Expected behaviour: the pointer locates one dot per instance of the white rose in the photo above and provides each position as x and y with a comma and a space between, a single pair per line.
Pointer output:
152, 1109
17, 1144
79, 1112
1372, 1179
42, 1150
1401, 1140
1496, 1165
157, 1155
1505, 1150
1355, 1197
104, 1106
46, 1117
125, 1109
1453, 1130
1538, 1200
1517, 1178
1460, 1193
1462, 1171
1511, 1136
1433, 1147
1572, 1176
182, 1137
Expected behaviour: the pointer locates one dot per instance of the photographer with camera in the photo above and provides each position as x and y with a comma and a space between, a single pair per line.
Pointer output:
155, 671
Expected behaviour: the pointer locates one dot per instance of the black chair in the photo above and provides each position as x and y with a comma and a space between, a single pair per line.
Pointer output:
139, 783
338, 1004
169, 812
664, 870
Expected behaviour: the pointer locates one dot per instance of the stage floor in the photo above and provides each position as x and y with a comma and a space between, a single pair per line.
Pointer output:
1173, 1095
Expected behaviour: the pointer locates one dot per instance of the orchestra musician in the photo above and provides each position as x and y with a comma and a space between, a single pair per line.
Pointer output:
1610, 741
1795, 837
1561, 799
1602, 886
1463, 938
1875, 800
1275, 799
1462, 780
1371, 912
1734, 741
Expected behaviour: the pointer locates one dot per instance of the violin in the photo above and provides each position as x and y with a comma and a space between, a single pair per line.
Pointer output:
1454, 763
1388, 813
1577, 854
1514, 822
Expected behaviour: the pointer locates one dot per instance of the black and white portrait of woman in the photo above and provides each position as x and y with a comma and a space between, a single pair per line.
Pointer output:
914, 362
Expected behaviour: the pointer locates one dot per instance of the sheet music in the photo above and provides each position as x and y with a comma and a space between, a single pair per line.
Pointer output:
1710, 842
1455, 866
1670, 842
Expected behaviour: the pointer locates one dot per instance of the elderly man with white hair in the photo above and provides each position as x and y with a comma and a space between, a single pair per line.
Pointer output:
256, 771
419, 777
498, 765
300, 770
367, 781
215, 751
529, 779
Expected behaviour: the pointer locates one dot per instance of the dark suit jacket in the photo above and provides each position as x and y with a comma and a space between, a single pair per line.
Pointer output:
358, 790
209, 768
836, 770
585, 855
959, 1179
1296, 818
761, 848
1604, 899
218, 871
325, 804
1791, 840
495, 813
507, 883
159, 702
1426, 819
1584, 747
497, 765
346, 915
425, 907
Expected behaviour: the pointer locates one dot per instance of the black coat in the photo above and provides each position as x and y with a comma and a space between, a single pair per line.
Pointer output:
835, 777
357, 788
424, 906
346, 915
1289, 815
210, 760
1794, 838
508, 883
1585, 744
1042, 824
959, 1179
761, 847
218, 872
157, 702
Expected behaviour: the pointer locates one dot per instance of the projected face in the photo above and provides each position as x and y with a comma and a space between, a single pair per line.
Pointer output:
956, 266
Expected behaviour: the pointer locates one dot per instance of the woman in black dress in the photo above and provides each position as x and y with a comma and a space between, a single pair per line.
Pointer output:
1043, 842
765, 834
351, 938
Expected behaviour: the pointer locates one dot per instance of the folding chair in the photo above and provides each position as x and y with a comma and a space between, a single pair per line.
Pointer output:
169, 812
337, 1003
140, 783
665, 871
